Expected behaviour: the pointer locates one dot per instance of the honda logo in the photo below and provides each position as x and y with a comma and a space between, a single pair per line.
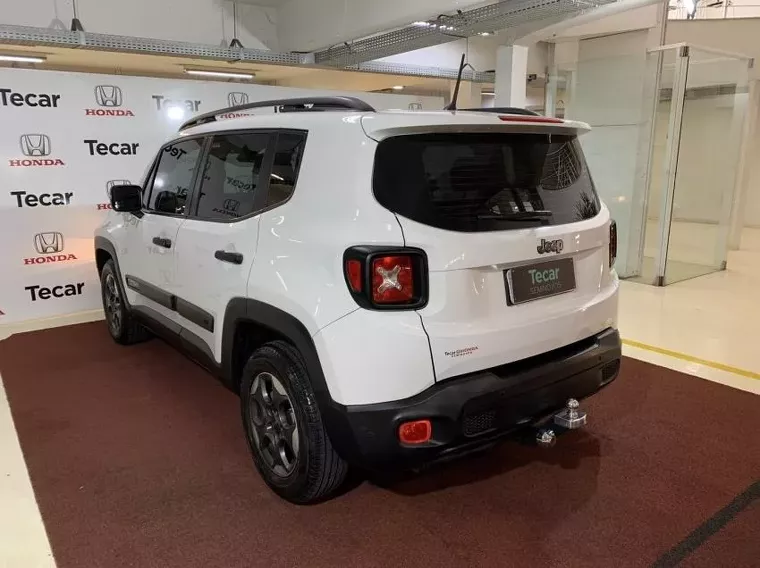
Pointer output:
35, 144
47, 243
235, 99
108, 95
231, 204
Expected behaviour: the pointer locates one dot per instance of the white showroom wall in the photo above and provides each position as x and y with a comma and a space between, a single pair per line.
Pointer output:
61, 146
197, 21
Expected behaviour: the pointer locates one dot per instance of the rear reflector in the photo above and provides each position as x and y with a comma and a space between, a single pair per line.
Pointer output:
392, 279
415, 432
354, 274
527, 118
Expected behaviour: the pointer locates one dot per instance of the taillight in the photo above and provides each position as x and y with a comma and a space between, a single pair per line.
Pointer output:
386, 278
392, 280
613, 242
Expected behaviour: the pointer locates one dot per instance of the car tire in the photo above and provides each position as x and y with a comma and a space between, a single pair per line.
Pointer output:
284, 428
121, 325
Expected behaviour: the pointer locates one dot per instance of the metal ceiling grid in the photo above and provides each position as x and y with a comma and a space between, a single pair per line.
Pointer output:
487, 19
21, 35
24, 35
421, 71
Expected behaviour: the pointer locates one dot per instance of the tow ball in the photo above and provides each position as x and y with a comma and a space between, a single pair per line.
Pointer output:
571, 418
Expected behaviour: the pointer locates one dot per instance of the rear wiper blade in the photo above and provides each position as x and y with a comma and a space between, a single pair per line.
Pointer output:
517, 216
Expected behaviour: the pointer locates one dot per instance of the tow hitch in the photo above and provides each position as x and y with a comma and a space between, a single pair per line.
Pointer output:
571, 418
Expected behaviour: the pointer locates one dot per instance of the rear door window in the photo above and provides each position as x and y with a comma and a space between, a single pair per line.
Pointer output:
485, 182
233, 183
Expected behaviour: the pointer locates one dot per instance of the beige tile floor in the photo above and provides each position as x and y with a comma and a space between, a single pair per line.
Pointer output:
714, 317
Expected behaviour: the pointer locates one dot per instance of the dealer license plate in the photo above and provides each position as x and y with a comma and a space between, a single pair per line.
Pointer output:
540, 280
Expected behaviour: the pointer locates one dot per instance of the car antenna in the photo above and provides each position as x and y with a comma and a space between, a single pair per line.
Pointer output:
453, 104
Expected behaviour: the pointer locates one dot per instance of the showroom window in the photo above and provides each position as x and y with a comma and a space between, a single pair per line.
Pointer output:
287, 160
174, 174
232, 178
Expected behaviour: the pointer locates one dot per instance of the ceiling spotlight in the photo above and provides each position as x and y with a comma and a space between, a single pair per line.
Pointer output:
225, 74
398, 87
23, 58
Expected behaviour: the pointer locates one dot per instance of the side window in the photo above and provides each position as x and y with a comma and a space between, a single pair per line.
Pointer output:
173, 176
287, 159
232, 176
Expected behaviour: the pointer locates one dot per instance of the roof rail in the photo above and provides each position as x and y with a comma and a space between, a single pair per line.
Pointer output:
286, 105
504, 110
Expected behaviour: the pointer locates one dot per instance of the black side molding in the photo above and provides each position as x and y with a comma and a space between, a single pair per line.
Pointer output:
150, 291
190, 312
198, 316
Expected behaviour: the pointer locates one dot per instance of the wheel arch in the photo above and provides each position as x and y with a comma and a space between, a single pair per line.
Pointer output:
282, 325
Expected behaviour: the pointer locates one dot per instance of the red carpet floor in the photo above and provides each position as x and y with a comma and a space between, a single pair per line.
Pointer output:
137, 458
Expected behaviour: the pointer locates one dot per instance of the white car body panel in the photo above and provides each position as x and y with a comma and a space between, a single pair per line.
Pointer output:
293, 261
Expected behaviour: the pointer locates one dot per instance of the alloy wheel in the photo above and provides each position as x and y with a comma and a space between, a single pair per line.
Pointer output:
273, 424
113, 304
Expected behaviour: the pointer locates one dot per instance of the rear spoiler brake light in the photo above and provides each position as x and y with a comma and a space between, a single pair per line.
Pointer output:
526, 118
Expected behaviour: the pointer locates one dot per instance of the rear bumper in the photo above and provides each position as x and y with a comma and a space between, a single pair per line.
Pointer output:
473, 411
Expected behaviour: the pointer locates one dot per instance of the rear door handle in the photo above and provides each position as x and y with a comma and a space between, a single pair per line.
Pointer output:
161, 242
232, 257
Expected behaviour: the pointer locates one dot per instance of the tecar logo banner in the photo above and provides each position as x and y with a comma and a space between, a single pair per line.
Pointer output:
66, 140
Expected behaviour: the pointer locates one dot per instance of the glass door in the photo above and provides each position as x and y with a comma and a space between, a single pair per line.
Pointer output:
705, 154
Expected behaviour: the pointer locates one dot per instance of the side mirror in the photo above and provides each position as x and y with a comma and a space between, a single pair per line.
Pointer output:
126, 198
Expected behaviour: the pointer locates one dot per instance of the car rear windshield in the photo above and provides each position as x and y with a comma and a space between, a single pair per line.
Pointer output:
485, 182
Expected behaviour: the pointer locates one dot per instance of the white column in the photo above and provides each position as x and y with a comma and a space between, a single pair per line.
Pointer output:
511, 75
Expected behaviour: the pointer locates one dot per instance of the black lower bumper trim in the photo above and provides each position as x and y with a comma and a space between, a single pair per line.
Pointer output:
475, 410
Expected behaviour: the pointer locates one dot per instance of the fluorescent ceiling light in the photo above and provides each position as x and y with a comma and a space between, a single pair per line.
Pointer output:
226, 74
398, 87
422, 24
23, 58
484, 34
488, 94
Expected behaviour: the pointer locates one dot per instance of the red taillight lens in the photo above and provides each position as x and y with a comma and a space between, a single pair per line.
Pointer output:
613, 243
354, 275
392, 280
415, 432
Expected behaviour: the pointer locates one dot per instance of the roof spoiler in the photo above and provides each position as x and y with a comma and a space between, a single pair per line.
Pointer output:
307, 104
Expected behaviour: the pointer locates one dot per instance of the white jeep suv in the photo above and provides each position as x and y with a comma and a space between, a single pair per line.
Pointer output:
383, 289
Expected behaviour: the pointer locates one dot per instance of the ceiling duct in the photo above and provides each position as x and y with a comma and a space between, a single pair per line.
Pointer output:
443, 29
